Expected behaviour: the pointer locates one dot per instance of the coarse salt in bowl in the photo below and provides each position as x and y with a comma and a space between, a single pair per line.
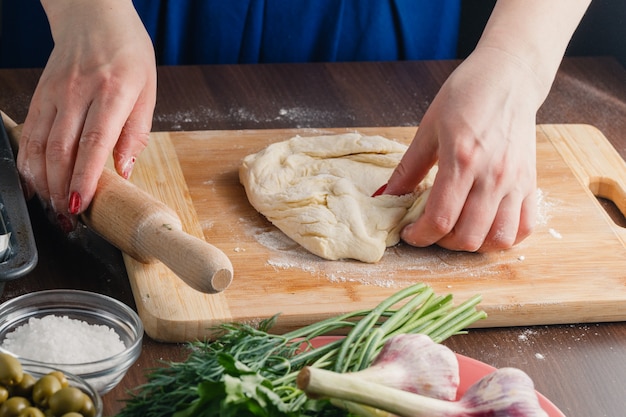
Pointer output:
90, 335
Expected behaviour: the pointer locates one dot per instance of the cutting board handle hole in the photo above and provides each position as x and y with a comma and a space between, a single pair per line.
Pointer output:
611, 197
616, 215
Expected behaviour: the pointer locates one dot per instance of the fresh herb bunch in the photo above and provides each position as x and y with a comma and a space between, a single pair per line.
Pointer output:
247, 371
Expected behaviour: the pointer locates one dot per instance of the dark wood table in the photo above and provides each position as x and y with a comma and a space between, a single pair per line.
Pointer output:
580, 367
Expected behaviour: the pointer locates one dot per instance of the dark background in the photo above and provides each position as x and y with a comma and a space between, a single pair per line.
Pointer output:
602, 32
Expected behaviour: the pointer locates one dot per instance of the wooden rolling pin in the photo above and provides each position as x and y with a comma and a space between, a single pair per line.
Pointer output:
148, 230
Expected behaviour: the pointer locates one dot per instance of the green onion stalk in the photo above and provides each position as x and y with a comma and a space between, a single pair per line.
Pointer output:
248, 371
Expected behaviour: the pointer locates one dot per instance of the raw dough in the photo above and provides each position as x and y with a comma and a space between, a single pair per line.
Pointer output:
317, 190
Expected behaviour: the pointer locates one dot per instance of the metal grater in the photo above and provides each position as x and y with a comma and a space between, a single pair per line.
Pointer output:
18, 252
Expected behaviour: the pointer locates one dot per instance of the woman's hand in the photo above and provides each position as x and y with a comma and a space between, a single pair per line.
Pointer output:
481, 129
95, 97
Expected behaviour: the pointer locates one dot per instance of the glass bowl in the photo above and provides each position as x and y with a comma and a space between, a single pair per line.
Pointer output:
77, 306
37, 371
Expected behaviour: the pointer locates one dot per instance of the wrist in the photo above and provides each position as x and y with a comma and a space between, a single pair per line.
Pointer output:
498, 70
71, 14
516, 71
534, 34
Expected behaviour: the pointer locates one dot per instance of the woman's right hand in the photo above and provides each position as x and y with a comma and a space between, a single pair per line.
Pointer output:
95, 97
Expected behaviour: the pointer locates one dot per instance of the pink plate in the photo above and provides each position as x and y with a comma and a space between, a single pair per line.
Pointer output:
470, 371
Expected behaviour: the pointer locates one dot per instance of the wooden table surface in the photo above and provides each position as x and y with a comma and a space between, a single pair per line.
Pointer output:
581, 368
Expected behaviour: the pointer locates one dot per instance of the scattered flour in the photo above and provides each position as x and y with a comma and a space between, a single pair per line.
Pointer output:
302, 117
555, 234
305, 116
287, 254
526, 335
178, 119
544, 206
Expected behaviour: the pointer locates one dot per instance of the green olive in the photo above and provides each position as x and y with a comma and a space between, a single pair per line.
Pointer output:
67, 400
72, 414
4, 394
13, 406
89, 409
44, 388
25, 387
11, 372
61, 377
31, 412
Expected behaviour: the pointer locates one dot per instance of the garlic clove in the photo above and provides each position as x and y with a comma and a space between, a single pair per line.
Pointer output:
504, 392
415, 363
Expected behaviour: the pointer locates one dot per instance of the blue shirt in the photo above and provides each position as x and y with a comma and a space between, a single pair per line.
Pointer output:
258, 31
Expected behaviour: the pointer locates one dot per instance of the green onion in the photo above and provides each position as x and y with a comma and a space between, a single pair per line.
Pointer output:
247, 371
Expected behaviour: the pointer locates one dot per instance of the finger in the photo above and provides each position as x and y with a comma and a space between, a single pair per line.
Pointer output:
60, 155
474, 222
103, 125
442, 211
514, 222
31, 158
504, 230
414, 165
528, 217
134, 137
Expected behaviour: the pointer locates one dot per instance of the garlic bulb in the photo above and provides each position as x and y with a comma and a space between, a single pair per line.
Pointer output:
414, 363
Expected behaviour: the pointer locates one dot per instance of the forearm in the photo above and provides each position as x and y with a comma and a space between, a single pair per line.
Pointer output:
89, 12
534, 32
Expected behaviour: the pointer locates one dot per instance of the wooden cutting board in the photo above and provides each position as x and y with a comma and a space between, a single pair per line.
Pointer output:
571, 270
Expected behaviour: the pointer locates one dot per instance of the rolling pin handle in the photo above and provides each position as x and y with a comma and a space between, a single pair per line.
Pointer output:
202, 266
149, 230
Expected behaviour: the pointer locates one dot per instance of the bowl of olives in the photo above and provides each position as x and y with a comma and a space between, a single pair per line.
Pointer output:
90, 335
40, 391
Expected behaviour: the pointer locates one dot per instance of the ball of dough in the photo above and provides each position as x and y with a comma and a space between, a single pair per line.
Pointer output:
318, 191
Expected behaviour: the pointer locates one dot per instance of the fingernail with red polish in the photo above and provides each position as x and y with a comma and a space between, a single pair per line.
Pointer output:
128, 167
65, 223
75, 203
380, 190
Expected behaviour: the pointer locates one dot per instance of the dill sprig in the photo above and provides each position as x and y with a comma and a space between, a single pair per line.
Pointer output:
248, 371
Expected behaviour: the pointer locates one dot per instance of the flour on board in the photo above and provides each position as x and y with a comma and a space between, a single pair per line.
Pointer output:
287, 254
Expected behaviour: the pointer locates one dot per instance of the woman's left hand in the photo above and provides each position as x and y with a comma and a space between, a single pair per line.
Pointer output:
481, 130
